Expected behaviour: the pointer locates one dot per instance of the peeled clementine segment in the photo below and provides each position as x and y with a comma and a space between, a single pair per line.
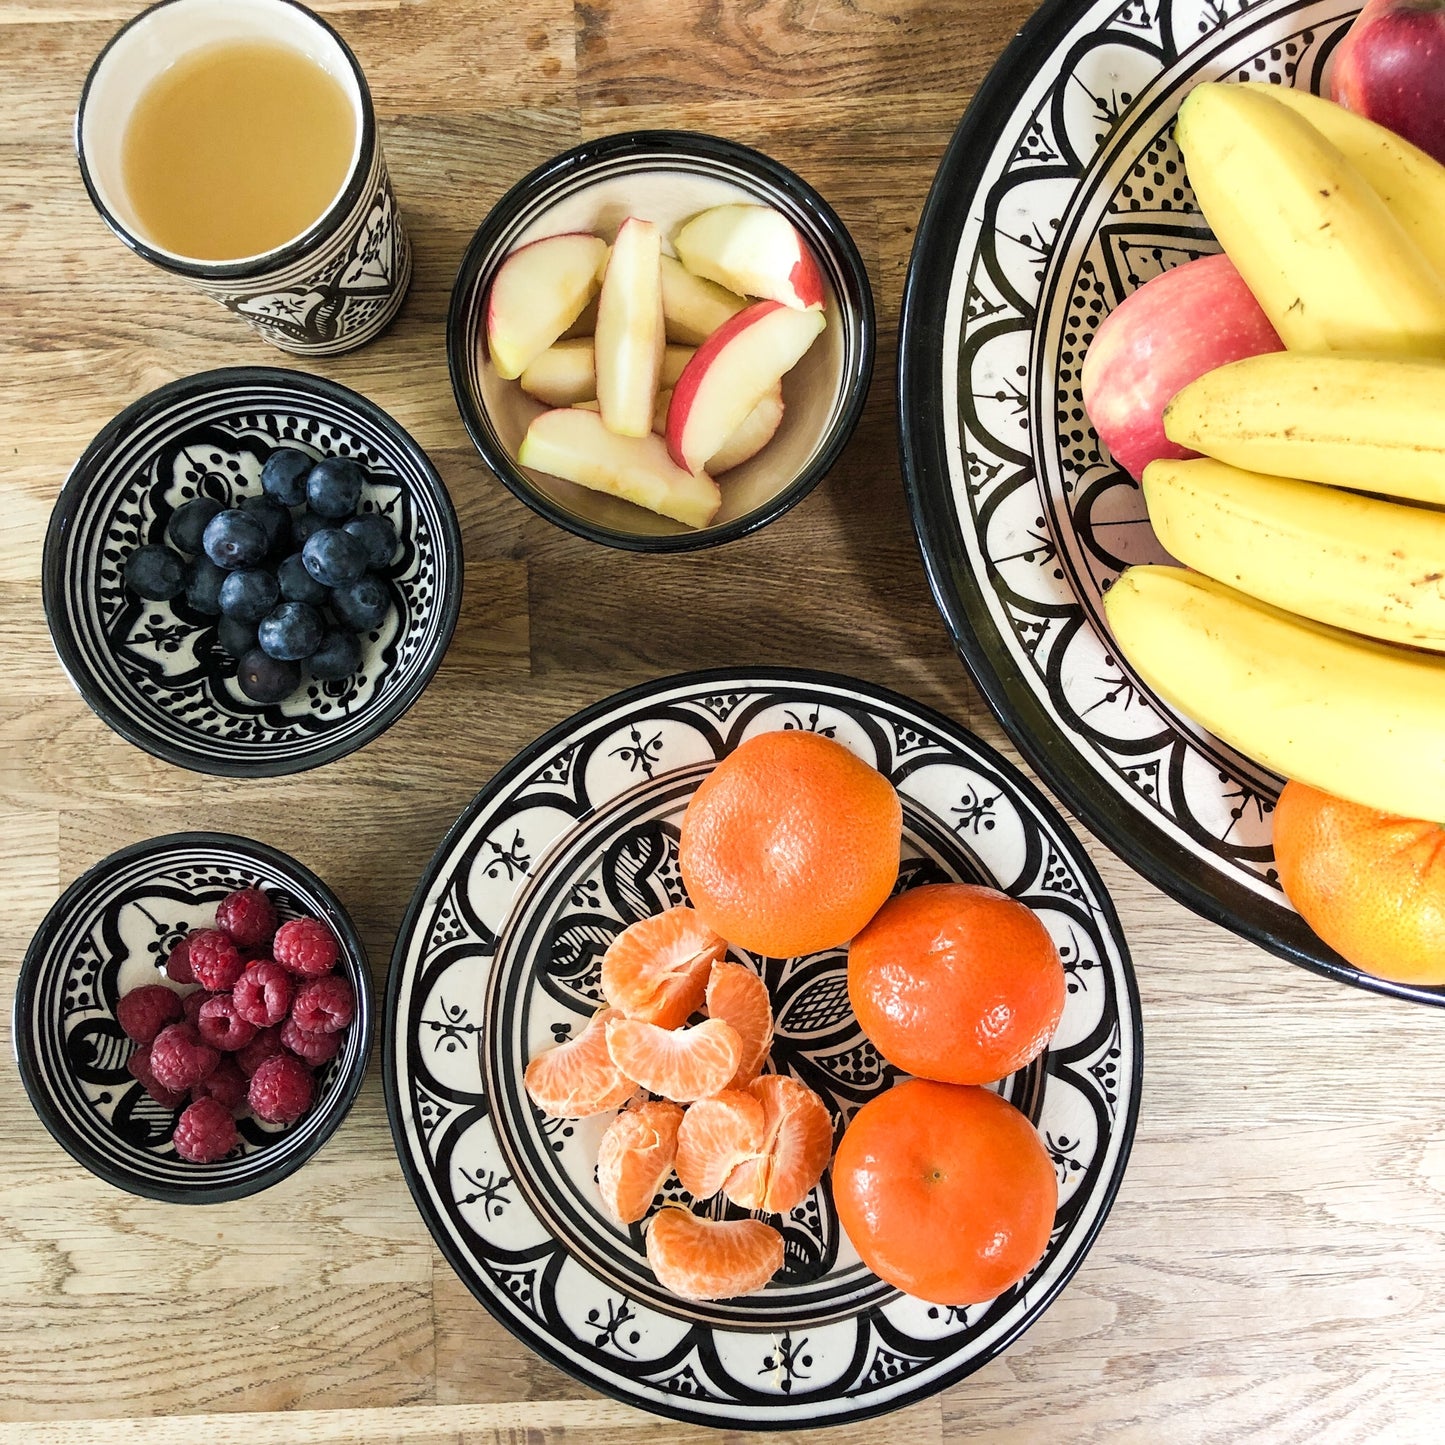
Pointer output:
737, 996
657, 968
796, 1148
578, 1078
680, 1064
706, 1259
716, 1135
635, 1156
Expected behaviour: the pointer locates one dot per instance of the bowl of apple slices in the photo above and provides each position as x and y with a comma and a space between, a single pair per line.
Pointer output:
661, 340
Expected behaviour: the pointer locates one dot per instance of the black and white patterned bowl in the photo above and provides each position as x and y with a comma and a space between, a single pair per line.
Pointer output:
155, 671
667, 176
1061, 193
110, 932
499, 958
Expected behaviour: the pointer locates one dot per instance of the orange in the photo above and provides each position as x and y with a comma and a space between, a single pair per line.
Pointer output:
956, 983
797, 1144
680, 1064
706, 1259
578, 1078
715, 1136
945, 1190
791, 844
635, 1157
1370, 884
737, 996
657, 968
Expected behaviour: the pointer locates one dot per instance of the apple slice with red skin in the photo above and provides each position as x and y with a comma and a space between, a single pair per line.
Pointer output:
753, 250
732, 371
574, 444
630, 336
1169, 332
693, 308
1390, 68
537, 293
753, 434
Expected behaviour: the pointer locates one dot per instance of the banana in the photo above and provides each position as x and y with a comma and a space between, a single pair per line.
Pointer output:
1366, 565
1411, 183
1331, 267
1357, 718
1369, 422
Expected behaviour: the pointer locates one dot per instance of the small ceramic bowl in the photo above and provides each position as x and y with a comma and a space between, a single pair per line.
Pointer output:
110, 932
667, 176
155, 671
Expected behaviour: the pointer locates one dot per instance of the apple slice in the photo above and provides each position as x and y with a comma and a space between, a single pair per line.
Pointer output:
630, 337
692, 307
586, 323
754, 250
537, 293
574, 444
753, 434
733, 370
674, 360
563, 375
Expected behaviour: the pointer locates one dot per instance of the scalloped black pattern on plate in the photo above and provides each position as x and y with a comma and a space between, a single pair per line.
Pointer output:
1062, 193
155, 670
110, 932
499, 958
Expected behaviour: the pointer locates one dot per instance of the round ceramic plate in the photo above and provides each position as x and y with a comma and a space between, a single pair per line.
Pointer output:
499, 958
1062, 192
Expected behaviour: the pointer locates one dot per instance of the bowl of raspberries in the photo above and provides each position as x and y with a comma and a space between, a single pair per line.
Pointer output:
252, 571
193, 1017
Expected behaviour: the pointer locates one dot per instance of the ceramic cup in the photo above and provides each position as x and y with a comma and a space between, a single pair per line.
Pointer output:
336, 285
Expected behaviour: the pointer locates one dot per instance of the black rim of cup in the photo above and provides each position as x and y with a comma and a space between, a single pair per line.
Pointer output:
267, 261
337, 1104
822, 229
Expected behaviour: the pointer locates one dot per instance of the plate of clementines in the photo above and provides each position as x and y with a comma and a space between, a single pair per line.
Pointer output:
763, 1049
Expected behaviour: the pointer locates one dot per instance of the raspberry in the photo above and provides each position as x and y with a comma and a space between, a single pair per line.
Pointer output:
191, 1004
144, 1012
281, 1090
246, 917
205, 1132
139, 1065
263, 993
215, 960
265, 1045
324, 1005
180, 1057
226, 1086
316, 1049
222, 1026
306, 946
178, 960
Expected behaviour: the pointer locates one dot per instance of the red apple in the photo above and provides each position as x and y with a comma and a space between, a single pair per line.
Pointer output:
1391, 69
1172, 330
754, 251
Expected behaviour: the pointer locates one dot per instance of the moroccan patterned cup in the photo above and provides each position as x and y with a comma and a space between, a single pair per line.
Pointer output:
331, 288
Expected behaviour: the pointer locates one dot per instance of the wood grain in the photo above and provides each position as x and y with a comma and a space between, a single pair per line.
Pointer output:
1271, 1269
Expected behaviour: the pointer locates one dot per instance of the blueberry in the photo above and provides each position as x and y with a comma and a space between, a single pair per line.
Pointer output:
376, 534
249, 595
238, 638
298, 585
334, 557
338, 656
266, 679
275, 519
235, 539
333, 487
305, 526
203, 586
188, 523
284, 476
155, 573
363, 604
291, 632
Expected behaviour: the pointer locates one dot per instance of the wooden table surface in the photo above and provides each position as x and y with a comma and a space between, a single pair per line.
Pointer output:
1272, 1268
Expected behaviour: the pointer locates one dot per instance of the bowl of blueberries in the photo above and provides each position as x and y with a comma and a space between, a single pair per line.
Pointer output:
252, 571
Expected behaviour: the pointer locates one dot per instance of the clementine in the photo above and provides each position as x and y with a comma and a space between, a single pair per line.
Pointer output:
578, 1079
706, 1259
634, 1157
1370, 884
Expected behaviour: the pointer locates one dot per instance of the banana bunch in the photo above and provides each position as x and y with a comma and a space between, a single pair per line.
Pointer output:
1310, 633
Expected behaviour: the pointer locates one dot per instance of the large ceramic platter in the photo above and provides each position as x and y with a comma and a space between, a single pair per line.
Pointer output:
1061, 193
499, 958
